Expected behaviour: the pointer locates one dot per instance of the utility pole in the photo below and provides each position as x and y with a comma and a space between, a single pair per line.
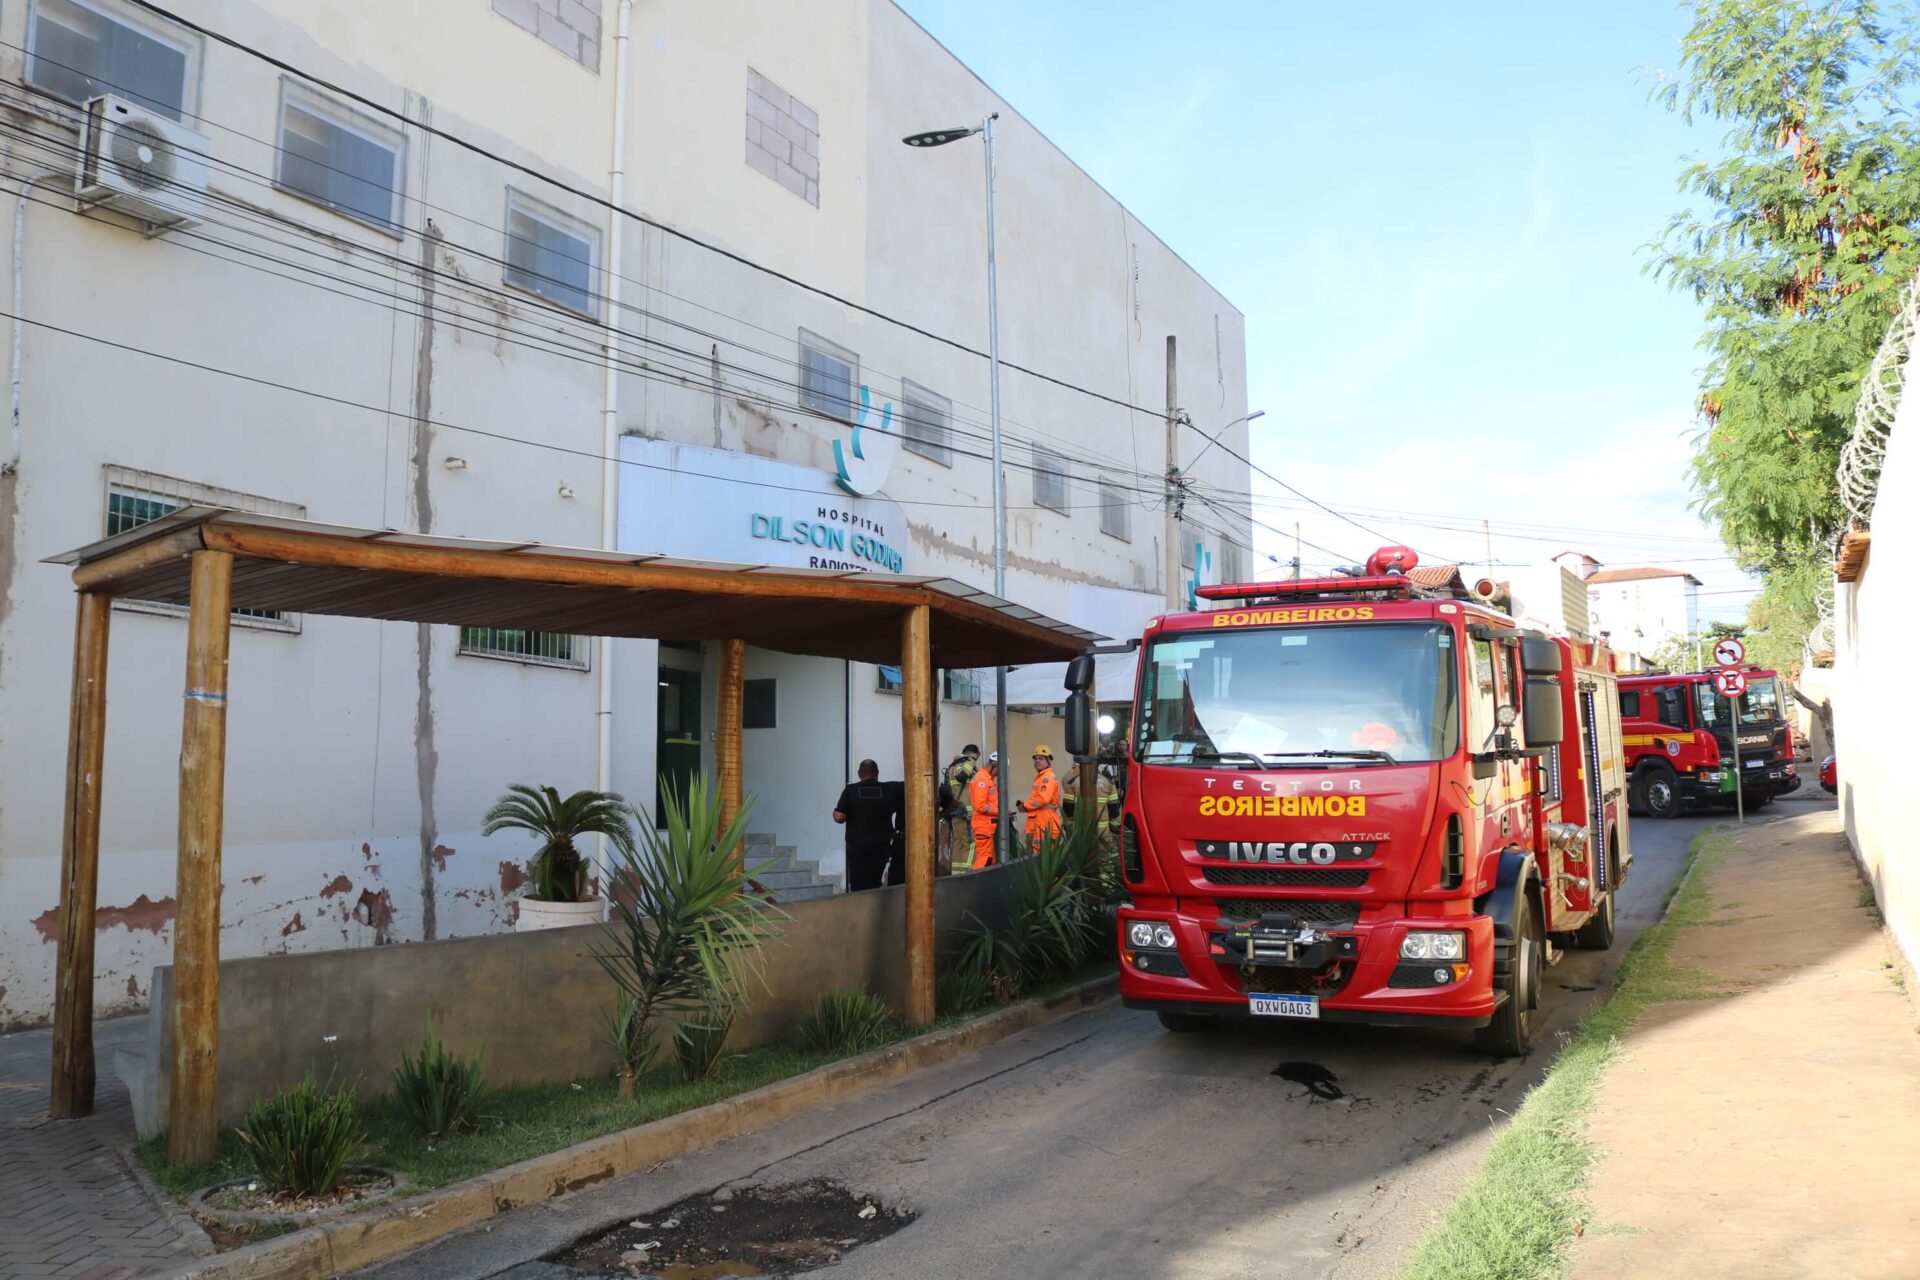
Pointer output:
1176, 491
1486, 530
1296, 551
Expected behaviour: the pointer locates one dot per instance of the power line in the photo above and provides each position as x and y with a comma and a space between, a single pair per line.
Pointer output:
603, 203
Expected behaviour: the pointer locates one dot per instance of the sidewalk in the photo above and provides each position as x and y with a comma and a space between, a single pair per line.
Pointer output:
69, 1205
1773, 1129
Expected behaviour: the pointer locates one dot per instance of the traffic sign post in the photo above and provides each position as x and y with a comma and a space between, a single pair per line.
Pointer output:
1730, 682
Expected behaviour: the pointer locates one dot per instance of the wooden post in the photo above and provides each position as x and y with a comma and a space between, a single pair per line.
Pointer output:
916, 727
729, 756
80, 862
195, 1119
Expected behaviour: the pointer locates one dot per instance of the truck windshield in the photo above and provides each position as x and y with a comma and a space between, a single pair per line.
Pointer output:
1377, 693
1760, 706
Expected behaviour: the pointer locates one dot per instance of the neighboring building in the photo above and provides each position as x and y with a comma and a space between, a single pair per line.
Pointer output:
423, 314
1637, 609
1552, 597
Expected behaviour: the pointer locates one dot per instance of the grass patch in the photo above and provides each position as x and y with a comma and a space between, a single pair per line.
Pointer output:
518, 1124
1516, 1218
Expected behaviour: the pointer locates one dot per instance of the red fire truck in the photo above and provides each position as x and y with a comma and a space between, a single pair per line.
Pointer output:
1357, 799
1679, 735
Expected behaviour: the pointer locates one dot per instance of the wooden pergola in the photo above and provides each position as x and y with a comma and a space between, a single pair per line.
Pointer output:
216, 561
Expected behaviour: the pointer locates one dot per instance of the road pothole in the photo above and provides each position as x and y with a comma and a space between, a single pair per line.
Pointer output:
1316, 1079
752, 1231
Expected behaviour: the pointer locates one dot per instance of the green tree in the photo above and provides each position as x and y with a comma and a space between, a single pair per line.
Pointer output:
1797, 239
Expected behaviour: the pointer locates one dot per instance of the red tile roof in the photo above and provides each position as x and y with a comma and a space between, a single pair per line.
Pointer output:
1638, 575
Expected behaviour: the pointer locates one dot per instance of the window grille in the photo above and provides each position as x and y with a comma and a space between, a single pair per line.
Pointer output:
538, 648
135, 498
961, 685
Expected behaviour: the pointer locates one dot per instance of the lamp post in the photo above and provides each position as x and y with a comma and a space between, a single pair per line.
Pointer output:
940, 138
1177, 480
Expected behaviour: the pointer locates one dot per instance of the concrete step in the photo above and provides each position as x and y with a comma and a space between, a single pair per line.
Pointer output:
788, 879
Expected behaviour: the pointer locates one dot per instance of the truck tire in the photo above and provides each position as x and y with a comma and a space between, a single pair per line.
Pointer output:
1186, 1023
1510, 1034
1656, 791
1597, 933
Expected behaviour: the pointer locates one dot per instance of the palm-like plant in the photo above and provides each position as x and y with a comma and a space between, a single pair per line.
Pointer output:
556, 870
685, 938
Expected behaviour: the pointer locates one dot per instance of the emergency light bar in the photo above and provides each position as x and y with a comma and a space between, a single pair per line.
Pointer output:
1391, 583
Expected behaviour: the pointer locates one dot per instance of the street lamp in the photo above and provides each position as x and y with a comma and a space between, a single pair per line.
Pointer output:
940, 138
1214, 439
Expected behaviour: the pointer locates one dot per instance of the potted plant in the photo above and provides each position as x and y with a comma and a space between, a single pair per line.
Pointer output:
557, 889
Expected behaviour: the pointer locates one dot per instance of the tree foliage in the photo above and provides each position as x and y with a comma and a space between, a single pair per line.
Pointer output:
1797, 239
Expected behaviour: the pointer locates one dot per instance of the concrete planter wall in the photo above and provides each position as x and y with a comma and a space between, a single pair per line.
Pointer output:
535, 1003
535, 914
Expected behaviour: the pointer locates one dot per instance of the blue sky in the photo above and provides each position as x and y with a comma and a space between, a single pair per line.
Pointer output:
1434, 217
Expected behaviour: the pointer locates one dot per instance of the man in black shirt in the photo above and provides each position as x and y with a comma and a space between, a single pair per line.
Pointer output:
866, 810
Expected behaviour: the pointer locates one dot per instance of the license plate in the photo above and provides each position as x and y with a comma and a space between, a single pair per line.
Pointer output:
1756, 764
1284, 1006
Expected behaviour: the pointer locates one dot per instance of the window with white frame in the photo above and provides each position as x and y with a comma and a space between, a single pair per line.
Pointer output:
887, 678
552, 254
1230, 566
339, 158
135, 498
80, 49
1116, 510
1049, 480
829, 377
516, 644
961, 685
926, 425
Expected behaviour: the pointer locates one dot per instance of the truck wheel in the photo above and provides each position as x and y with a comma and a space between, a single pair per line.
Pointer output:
1656, 791
1510, 1034
1597, 933
1173, 1020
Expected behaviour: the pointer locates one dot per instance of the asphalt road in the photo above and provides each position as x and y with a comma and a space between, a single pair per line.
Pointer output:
1103, 1145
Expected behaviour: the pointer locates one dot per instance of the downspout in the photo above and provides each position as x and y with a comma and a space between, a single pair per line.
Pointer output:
610, 426
17, 375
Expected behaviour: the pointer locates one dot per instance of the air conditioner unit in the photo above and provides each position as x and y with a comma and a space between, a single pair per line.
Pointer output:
142, 164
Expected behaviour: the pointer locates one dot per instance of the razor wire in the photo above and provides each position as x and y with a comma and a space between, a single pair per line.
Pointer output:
1858, 474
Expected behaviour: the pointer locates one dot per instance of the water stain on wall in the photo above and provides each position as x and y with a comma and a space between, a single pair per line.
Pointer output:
293, 926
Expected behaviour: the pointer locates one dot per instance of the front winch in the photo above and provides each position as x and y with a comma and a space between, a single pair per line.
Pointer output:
1277, 939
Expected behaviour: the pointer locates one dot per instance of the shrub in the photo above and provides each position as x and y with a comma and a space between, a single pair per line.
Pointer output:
299, 1139
697, 1044
556, 870
685, 936
848, 1021
961, 989
437, 1089
1057, 916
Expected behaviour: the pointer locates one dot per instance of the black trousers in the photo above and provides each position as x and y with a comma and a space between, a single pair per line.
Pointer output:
866, 865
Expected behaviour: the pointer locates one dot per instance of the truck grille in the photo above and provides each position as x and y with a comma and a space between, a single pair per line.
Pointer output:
1317, 877
1311, 910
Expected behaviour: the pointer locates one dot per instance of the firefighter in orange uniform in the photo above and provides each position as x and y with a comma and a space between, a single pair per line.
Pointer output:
1042, 805
983, 797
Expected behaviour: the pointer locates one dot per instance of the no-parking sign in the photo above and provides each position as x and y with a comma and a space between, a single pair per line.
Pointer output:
1729, 652
1730, 681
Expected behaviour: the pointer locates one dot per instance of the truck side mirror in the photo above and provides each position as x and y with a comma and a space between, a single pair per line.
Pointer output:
1543, 725
1540, 657
1080, 743
1080, 673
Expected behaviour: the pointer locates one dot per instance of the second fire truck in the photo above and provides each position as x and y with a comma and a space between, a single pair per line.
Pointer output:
1680, 734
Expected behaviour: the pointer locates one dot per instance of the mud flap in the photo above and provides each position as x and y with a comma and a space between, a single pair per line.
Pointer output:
1515, 870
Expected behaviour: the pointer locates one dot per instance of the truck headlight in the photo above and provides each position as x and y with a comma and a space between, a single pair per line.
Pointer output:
1146, 933
1423, 945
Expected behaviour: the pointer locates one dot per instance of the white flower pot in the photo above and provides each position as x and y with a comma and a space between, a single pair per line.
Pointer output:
555, 915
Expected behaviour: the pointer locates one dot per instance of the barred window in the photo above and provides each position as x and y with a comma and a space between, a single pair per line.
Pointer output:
927, 423
1049, 480
135, 498
1230, 567
1116, 512
538, 648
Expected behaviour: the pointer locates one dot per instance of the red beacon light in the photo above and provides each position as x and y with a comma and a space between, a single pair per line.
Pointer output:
1391, 560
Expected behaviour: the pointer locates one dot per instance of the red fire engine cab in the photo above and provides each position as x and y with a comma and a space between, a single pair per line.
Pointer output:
1357, 799
1679, 734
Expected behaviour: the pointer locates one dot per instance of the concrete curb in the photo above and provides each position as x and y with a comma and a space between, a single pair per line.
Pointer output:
377, 1234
